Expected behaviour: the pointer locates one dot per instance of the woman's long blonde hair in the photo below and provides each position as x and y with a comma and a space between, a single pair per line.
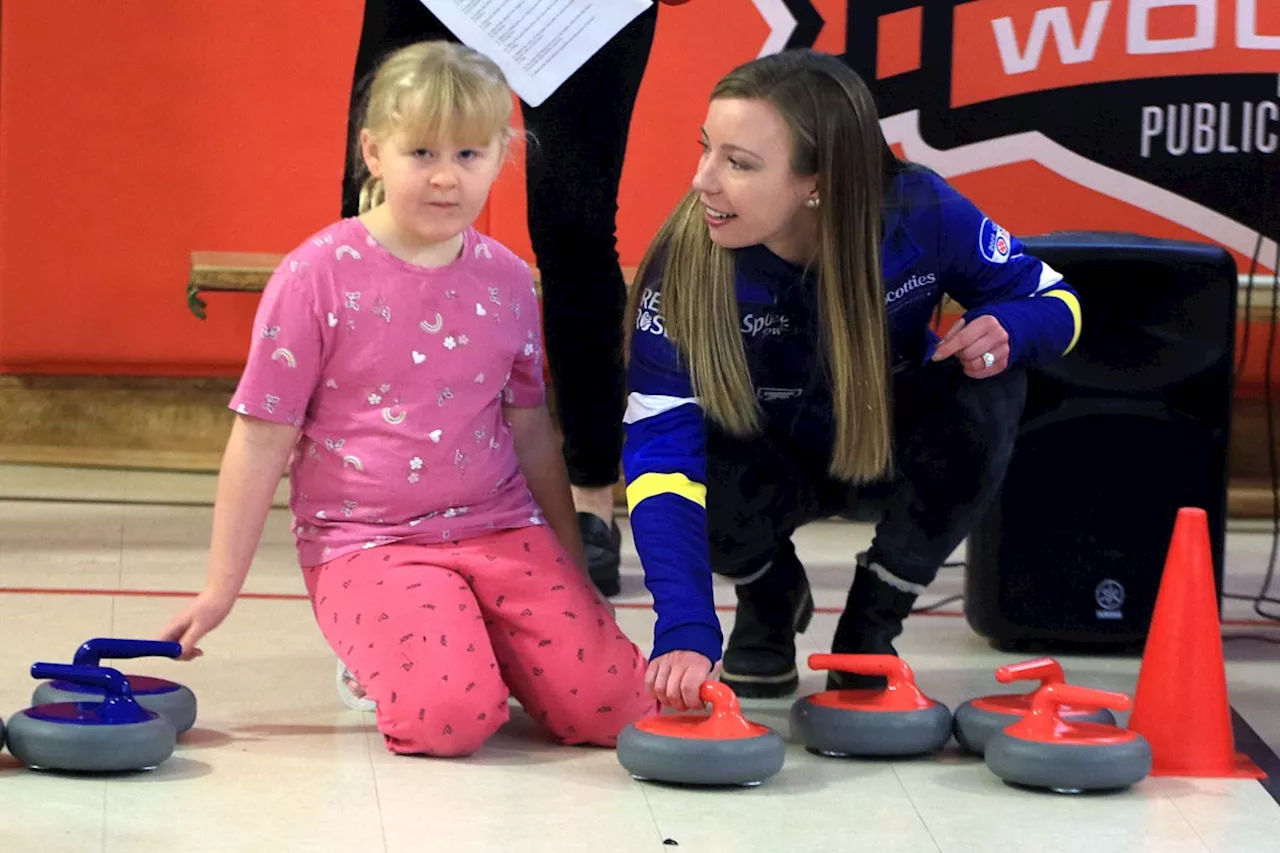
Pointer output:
433, 91
836, 135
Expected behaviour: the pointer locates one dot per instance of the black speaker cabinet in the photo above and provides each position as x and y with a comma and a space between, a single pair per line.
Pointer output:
1116, 437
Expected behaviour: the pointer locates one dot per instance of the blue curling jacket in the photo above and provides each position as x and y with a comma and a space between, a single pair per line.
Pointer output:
935, 242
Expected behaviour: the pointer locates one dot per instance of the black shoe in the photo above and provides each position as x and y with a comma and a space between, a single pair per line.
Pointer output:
760, 657
872, 618
603, 545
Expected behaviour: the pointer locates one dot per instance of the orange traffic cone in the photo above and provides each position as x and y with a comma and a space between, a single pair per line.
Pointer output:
1180, 705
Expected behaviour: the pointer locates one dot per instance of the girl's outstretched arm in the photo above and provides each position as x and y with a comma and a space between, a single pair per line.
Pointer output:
252, 465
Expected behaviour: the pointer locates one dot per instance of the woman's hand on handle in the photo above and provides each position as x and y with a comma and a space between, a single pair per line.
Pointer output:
675, 678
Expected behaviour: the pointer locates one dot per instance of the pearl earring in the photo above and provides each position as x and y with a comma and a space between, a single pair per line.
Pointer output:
811, 203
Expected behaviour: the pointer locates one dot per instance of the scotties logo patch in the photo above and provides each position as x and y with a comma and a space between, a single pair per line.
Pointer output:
993, 242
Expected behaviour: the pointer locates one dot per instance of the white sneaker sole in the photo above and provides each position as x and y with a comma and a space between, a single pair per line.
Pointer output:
351, 700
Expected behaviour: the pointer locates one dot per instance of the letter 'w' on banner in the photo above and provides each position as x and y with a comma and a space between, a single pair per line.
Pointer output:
1014, 47
539, 44
1187, 107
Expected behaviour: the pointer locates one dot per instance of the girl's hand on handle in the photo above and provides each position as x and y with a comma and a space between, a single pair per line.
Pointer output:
676, 678
200, 617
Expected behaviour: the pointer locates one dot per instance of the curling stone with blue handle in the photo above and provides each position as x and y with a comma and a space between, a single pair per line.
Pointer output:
978, 719
898, 720
108, 733
173, 700
1044, 750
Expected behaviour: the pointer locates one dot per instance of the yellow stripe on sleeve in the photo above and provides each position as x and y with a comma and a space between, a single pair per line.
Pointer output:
649, 485
1074, 305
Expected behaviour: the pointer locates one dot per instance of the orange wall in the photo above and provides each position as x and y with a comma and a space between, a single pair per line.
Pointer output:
144, 131
151, 129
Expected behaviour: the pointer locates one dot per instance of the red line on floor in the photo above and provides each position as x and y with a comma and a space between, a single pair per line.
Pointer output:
621, 605
141, 593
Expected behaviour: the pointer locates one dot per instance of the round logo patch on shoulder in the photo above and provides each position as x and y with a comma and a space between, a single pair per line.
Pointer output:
994, 242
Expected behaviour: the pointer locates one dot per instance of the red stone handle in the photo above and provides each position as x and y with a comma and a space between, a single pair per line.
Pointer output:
1050, 697
901, 693
1044, 723
725, 720
1044, 670
894, 668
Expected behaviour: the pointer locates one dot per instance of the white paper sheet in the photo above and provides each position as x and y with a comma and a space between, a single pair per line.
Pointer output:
538, 44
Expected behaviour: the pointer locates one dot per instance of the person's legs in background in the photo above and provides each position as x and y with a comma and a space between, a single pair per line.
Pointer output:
388, 25
574, 167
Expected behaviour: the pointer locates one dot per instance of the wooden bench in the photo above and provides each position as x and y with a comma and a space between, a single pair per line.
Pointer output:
227, 272
245, 272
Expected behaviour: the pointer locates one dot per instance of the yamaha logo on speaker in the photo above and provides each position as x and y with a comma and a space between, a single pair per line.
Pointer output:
1110, 596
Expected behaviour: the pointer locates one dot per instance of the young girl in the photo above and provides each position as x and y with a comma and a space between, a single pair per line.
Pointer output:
781, 356
431, 507
571, 182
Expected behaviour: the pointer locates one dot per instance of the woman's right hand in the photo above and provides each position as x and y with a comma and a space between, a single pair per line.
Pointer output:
201, 616
676, 678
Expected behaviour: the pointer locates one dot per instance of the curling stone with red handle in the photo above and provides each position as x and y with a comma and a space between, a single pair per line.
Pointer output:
978, 719
1042, 750
174, 700
108, 733
898, 720
720, 748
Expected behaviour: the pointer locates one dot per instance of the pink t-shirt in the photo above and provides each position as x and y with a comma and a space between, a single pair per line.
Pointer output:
397, 375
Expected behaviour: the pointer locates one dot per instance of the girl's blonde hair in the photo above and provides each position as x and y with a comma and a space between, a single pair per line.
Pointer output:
835, 133
434, 92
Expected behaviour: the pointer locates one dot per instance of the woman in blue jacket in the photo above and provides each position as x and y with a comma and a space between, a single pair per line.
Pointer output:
781, 361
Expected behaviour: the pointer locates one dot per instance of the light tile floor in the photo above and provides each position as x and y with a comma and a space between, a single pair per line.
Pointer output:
277, 763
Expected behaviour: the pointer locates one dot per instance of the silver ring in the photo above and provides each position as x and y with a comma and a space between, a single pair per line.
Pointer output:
988, 359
